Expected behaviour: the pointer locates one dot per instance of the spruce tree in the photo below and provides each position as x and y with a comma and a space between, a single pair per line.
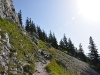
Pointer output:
71, 47
54, 41
93, 55
50, 37
39, 32
81, 53
65, 42
32, 27
81, 49
27, 25
44, 36
61, 44
20, 17
76, 52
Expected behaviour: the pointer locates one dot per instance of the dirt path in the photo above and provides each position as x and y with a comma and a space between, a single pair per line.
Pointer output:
40, 68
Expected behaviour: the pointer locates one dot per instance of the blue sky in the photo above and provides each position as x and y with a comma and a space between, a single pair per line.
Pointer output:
63, 16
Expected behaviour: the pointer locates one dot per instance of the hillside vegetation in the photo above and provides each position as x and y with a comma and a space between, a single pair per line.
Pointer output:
64, 64
24, 53
20, 44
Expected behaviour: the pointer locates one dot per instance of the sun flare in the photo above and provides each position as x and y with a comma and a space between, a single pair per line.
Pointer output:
90, 8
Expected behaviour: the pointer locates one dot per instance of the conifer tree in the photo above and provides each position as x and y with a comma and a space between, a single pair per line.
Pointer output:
76, 52
65, 42
27, 25
81, 49
50, 37
71, 47
39, 32
81, 53
61, 44
93, 52
32, 27
44, 36
20, 17
54, 41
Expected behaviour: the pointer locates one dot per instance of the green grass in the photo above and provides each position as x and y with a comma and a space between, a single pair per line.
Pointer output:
55, 69
42, 45
20, 43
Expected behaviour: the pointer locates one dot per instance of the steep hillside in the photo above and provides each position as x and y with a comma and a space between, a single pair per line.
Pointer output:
19, 55
17, 51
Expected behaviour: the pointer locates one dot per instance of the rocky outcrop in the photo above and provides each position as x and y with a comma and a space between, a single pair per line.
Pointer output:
6, 58
4, 52
7, 11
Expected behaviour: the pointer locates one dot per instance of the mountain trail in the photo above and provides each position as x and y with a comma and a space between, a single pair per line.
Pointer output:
40, 67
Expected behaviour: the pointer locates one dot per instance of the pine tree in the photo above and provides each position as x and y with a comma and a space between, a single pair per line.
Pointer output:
81, 53
65, 42
54, 41
32, 27
76, 52
39, 32
20, 17
44, 36
71, 47
27, 25
81, 49
93, 55
61, 44
50, 37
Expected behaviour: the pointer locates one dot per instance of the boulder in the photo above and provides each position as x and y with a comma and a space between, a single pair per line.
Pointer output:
46, 55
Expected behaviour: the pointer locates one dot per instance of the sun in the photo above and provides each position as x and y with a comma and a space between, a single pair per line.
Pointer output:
90, 8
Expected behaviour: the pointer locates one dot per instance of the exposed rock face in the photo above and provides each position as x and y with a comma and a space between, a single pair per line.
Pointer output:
6, 58
4, 53
7, 11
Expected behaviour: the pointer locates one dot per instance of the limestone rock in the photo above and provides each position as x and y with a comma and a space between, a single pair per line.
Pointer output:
7, 11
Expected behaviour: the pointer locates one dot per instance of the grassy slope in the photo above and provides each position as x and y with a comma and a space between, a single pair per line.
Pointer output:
53, 67
26, 47
19, 43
